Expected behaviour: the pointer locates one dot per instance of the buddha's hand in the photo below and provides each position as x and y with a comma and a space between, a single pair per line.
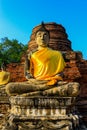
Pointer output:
28, 75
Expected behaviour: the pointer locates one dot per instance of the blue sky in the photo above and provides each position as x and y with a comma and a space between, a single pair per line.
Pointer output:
19, 17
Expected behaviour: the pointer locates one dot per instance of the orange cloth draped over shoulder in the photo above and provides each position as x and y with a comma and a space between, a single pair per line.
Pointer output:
47, 64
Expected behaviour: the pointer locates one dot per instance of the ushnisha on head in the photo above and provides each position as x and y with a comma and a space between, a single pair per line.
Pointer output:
42, 36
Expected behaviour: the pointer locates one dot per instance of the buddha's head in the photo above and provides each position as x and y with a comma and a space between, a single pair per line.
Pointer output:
42, 36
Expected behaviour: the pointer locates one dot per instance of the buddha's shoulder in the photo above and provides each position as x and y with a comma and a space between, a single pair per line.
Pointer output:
55, 51
32, 52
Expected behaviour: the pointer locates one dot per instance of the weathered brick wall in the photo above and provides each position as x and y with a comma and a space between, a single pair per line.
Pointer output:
17, 72
82, 102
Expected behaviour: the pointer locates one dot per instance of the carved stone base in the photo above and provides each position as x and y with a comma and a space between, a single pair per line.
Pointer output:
46, 125
18, 123
42, 113
41, 106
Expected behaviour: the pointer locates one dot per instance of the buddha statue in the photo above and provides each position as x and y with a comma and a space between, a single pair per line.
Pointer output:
4, 75
43, 71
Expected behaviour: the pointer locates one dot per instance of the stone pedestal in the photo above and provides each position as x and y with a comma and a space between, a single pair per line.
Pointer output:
4, 105
42, 113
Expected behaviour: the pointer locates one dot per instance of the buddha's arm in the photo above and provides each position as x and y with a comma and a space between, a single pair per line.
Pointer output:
27, 70
27, 73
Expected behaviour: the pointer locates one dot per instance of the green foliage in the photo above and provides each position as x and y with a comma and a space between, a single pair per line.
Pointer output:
11, 50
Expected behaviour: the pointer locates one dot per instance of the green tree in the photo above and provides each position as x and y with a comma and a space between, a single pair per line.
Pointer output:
11, 50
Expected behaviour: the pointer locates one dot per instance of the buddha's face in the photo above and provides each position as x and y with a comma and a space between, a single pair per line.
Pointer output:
42, 38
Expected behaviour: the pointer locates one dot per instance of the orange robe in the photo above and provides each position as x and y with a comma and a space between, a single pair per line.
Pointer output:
47, 63
4, 77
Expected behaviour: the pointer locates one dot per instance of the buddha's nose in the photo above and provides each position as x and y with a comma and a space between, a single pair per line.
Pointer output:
42, 37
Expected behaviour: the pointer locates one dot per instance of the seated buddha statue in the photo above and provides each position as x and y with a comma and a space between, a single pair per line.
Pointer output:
4, 75
43, 71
